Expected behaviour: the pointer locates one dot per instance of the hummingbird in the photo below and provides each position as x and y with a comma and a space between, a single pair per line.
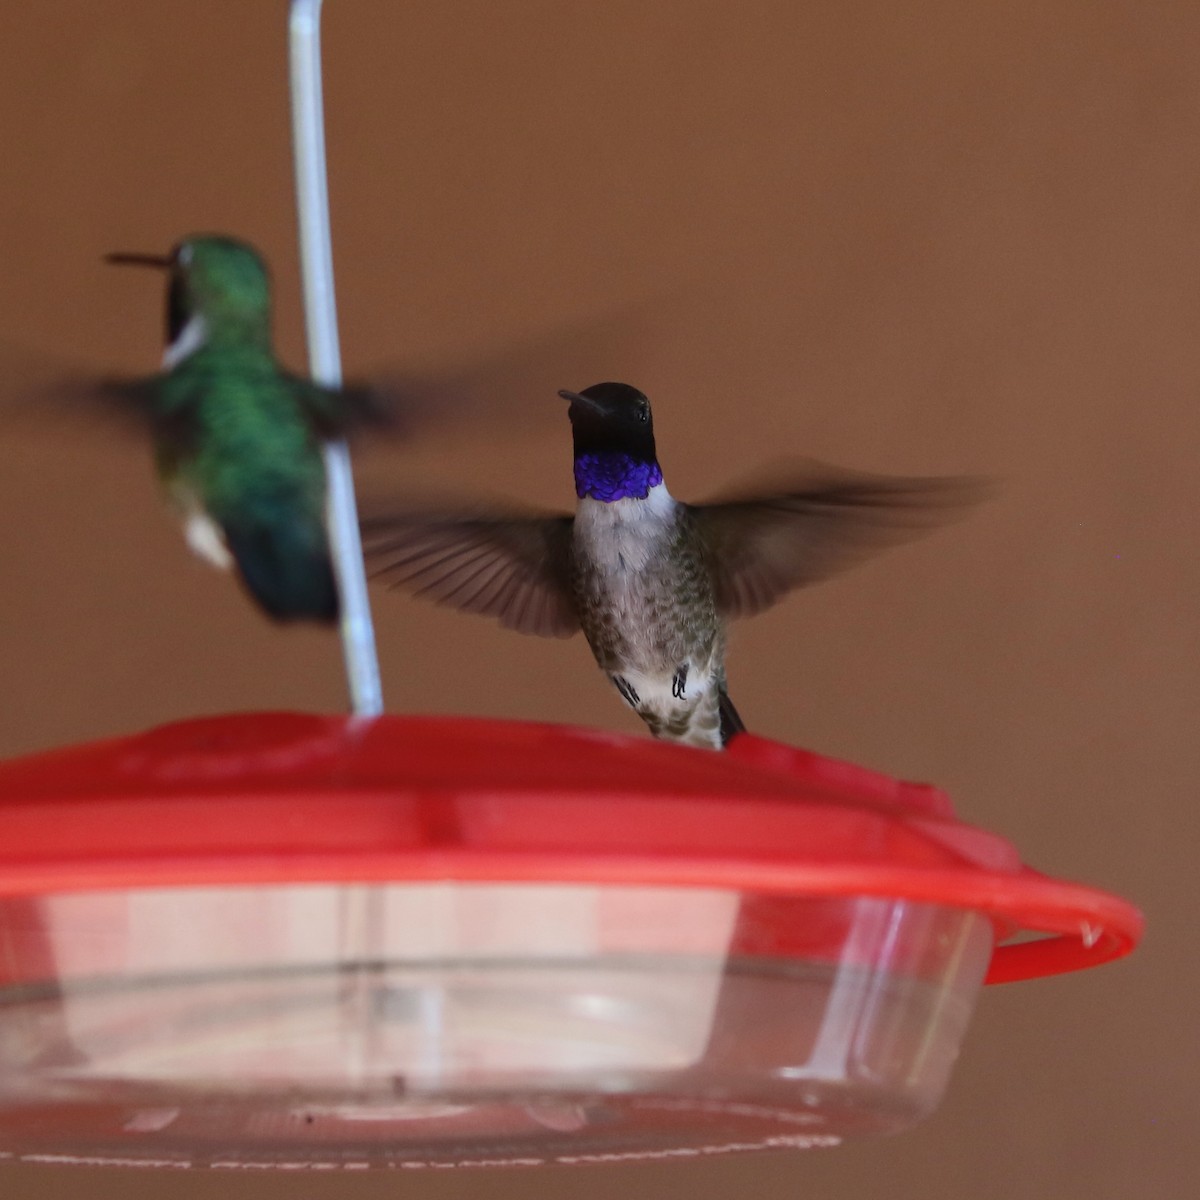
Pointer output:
651, 581
237, 438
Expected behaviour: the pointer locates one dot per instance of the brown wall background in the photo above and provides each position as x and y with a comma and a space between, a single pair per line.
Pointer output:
912, 237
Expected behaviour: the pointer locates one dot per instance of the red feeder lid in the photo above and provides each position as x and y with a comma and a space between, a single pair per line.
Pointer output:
292, 798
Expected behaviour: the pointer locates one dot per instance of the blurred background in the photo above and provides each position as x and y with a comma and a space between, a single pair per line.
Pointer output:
912, 238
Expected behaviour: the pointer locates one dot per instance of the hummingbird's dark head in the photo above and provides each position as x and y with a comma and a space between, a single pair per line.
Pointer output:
613, 428
218, 278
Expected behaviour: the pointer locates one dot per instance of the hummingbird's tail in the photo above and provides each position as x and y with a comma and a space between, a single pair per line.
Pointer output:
286, 568
731, 723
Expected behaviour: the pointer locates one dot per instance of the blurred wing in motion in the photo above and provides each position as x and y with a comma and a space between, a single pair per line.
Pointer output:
511, 567
354, 408
515, 385
39, 389
822, 521
512, 387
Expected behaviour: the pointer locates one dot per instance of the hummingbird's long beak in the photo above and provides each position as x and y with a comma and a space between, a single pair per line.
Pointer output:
582, 401
164, 262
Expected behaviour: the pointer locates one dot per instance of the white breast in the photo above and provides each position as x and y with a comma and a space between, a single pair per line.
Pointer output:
622, 537
191, 337
622, 541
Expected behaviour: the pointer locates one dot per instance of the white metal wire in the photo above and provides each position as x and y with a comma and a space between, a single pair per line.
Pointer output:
320, 318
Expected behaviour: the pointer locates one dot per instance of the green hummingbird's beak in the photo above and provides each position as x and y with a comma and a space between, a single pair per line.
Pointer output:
164, 262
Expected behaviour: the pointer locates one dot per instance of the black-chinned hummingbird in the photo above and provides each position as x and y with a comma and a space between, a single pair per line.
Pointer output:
652, 581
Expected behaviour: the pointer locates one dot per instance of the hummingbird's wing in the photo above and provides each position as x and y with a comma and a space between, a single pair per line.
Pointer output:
38, 391
163, 404
133, 407
822, 522
337, 413
512, 567
512, 385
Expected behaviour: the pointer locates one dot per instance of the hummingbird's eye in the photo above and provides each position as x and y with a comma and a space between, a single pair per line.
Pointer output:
643, 413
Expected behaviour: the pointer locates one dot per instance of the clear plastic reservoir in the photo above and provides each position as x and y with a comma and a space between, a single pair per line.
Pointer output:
429, 1023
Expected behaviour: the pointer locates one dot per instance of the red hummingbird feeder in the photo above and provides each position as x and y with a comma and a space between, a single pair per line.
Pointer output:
306, 941
282, 939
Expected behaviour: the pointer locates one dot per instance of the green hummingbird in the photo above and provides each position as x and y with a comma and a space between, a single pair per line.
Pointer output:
237, 438
652, 581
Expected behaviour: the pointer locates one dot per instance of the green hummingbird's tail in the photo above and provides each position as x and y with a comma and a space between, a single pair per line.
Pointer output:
286, 569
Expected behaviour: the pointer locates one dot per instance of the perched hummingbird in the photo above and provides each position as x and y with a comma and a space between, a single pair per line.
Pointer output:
237, 438
652, 581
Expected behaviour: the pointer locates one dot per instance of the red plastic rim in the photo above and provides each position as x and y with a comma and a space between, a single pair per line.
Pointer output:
276, 798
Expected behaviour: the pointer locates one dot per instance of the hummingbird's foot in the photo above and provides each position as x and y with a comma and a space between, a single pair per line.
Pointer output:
627, 690
679, 682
